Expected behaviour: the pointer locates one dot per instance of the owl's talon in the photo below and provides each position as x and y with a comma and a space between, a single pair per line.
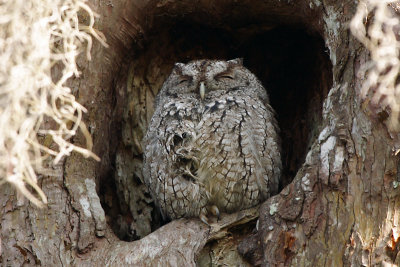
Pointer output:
204, 219
215, 211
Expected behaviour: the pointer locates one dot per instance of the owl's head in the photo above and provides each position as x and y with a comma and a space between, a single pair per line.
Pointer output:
205, 78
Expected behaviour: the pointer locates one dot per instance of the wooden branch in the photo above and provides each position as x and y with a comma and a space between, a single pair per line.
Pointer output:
177, 243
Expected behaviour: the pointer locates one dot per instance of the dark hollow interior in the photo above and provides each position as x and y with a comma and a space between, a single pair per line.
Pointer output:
291, 62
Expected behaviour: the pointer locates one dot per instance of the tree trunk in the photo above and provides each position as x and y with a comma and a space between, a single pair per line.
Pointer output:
339, 203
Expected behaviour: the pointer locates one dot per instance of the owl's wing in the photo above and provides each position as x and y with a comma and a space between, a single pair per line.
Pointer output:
240, 158
170, 161
259, 145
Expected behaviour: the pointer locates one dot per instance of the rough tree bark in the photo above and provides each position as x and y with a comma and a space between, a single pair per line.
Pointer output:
339, 204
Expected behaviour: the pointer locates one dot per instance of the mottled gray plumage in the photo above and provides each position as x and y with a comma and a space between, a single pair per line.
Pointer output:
211, 151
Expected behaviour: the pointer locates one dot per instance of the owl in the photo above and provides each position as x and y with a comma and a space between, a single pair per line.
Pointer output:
212, 144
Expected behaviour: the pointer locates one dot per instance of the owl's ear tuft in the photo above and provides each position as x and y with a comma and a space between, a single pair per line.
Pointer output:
236, 61
178, 66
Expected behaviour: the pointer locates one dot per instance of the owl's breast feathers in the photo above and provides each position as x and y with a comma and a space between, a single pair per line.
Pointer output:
238, 150
223, 144
180, 119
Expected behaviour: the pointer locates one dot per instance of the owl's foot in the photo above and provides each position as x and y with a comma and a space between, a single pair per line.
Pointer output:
203, 218
215, 211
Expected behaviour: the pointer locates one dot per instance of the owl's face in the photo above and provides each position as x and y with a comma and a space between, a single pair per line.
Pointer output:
200, 78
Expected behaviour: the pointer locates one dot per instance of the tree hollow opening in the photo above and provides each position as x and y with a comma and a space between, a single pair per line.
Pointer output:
290, 60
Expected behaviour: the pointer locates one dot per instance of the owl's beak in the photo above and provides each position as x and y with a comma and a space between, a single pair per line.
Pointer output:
202, 90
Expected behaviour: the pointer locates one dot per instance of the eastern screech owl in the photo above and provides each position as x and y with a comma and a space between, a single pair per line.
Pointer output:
212, 144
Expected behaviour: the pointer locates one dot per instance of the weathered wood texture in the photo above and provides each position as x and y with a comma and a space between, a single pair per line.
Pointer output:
341, 209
